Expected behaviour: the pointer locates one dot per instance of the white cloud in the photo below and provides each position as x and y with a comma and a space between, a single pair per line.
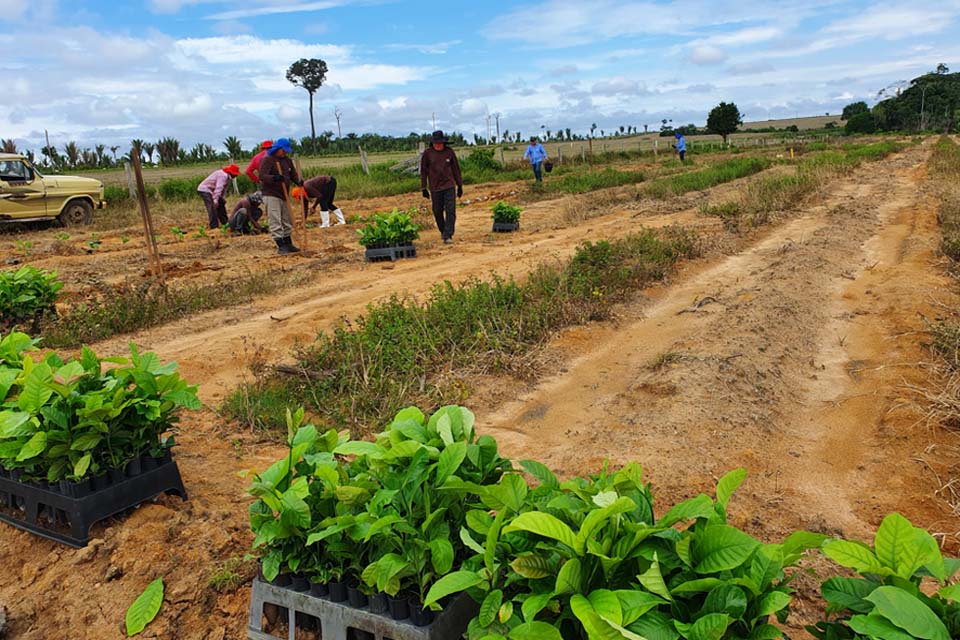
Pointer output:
13, 9
896, 21
436, 48
752, 35
706, 54
616, 86
274, 9
473, 107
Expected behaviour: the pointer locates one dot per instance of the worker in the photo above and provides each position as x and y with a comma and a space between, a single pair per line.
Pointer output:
246, 214
276, 177
537, 155
323, 189
254, 165
213, 190
681, 145
440, 168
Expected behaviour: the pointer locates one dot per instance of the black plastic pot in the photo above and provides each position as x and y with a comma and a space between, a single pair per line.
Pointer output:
319, 589
75, 489
356, 598
15, 475
99, 482
299, 582
282, 580
378, 603
419, 616
166, 457
117, 476
134, 468
148, 462
338, 591
399, 607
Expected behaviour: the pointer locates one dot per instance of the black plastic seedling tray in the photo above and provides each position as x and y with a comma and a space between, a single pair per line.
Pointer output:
505, 227
390, 253
61, 514
337, 619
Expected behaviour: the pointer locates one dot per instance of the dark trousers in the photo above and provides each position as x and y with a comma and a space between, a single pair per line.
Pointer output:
445, 211
537, 171
327, 193
682, 153
216, 212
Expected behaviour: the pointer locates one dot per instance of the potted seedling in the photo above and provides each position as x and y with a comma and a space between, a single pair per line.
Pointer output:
389, 236
506, 217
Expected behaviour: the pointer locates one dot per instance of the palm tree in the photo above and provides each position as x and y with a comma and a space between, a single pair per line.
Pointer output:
101, 151
114, 150
234, 147
8, 146
169, 150
148, 148
593, 127
72, 151
136, 148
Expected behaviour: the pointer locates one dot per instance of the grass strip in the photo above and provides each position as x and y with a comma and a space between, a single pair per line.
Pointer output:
134, 306
719, 173
404, 351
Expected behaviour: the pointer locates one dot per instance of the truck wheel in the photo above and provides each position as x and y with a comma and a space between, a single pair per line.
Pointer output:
75, 213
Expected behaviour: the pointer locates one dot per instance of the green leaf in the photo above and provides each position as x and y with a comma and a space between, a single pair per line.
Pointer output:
876, 626
907, 612
854, 555
145, 608
710, 627
570, 578
33, 447
896, 546
86, 442
694, 508
848, 593
728, 484
541, 472
535, 631
505, 612
721, 547
294, 511
951, 592
766, 632
654, 625
490, 607
360, 448
450, 460
773, 602
452, 583
469, 542
700, 585
532, 566
543, 524
652, 580
83, 464
729, 599
607, 605
511, 491
13, 424
634, 604
534, 605
441, 555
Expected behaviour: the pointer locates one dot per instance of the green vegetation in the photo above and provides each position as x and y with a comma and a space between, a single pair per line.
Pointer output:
28, 295
704, 179
394, 229
405, 351
70, 419
145, 608
506, 213
133, 306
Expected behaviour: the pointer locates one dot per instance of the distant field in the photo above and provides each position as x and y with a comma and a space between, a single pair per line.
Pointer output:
647, 141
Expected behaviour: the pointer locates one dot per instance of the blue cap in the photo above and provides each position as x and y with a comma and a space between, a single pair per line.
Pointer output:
677, 134
281, 143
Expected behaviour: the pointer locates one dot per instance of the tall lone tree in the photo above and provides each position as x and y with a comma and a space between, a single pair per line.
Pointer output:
724, 119
308, 73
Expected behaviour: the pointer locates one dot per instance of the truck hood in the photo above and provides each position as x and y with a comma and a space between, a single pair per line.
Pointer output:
73, 182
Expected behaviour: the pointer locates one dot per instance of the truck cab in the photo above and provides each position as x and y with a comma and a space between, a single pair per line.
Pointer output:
26, 195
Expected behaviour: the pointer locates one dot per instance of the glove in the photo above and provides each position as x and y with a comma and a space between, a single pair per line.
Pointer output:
460, 191
297, 181
426, 194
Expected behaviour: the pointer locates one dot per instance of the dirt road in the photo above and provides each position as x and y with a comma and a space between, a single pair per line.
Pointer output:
792, 365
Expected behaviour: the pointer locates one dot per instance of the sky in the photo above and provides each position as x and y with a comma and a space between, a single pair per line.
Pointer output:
201, 70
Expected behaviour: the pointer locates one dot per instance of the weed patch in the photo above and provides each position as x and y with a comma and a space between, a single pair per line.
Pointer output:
704, 179
405, 351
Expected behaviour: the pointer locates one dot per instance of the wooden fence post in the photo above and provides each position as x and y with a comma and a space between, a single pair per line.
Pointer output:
153, 253
363, 160
130, 188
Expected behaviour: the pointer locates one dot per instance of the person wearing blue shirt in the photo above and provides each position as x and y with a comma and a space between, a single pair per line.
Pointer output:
537, 155
681, 145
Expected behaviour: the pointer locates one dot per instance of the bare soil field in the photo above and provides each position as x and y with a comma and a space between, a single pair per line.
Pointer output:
786, 350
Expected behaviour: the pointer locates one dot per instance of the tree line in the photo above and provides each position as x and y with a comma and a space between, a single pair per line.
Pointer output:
928, 102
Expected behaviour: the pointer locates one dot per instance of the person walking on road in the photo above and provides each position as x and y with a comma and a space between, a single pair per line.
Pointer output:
439, 168
276, 176
246, 214
254, 165
213, 191
323, 189
537, 155
681, 145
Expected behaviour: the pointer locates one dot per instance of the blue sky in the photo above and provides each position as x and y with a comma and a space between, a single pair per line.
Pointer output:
201, 70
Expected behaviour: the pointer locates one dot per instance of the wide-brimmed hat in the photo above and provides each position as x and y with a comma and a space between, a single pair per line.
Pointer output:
437, 136
232, 170
281, 143
265, 145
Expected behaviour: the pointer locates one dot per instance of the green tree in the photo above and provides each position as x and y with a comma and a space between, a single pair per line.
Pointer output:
724, 119
72, 152
853, 109
234, 147
308, 73
861, 123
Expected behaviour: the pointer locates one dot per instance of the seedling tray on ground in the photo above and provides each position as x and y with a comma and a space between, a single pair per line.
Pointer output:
390, 253
57, 516
336, 618
505, 227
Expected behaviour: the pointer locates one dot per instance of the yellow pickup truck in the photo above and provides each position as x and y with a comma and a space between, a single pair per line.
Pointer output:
26, 195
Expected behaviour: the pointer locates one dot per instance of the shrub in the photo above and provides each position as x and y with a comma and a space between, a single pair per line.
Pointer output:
70, 419
28, 295
393, 229
480, 160
179, 189
506, 213
860, 123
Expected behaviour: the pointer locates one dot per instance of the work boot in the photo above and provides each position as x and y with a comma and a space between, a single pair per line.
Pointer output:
324, 219
281, 246
448, 241
290, 247
339, 214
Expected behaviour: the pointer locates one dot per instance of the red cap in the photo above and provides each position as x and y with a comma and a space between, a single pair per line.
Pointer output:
266, 144
233, 170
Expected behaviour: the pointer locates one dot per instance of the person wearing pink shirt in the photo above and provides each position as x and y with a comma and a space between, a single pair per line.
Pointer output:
213, 191
254, 167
